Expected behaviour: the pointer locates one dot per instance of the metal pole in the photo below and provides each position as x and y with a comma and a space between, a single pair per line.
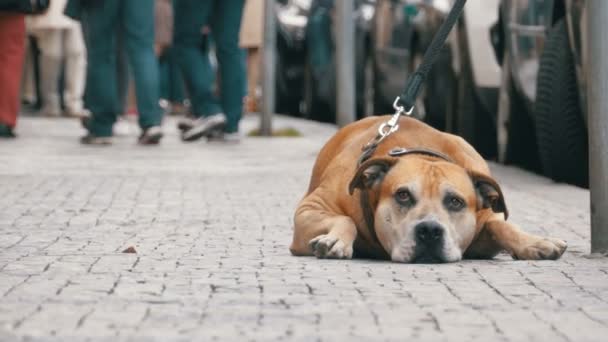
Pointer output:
345, 62
268, 68
597, 89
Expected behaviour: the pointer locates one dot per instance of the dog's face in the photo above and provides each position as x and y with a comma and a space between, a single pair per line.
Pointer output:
426, 208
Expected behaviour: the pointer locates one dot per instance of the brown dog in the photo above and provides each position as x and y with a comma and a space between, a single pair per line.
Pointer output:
410, 207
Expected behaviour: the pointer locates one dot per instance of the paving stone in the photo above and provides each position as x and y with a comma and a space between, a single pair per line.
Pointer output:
211, 224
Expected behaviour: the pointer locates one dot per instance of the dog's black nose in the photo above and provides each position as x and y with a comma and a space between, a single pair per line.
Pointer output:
429, 233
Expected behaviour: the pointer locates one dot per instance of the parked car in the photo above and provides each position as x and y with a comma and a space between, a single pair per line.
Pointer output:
292, 19
461, 91
542, 116
306, 79
319, 99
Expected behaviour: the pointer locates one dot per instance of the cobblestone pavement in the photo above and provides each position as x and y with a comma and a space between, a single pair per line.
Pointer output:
211, 225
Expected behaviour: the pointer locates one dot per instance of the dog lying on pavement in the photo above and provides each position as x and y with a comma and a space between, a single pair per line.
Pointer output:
423, 196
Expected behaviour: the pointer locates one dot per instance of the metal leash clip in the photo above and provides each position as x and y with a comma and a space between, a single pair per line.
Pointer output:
385, 129
392, 125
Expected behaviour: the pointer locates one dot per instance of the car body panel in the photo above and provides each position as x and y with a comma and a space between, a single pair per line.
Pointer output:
525, 26
403, 30
479, 16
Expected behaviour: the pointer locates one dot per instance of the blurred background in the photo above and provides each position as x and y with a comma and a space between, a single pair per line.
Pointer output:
510, 79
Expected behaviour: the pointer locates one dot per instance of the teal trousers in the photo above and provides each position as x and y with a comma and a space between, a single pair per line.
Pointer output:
171, 82
134, 20
223, 17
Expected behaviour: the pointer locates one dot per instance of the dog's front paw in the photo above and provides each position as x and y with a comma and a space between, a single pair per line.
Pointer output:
330, 247
541, 249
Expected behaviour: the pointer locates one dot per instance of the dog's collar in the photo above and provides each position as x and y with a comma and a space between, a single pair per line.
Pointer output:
366, 208
402, 151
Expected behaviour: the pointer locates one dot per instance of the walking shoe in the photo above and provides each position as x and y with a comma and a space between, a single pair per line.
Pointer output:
185, 123
91, 139
204, 126
6, 131
77, 113
86, 121
221, 137
151, 136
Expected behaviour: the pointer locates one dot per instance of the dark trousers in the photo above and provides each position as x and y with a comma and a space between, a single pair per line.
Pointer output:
134, 19
224, 19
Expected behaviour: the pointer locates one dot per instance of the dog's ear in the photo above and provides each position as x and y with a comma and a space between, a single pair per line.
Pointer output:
489, 193
371, 173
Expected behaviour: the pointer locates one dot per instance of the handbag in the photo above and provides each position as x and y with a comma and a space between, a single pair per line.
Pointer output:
24, 6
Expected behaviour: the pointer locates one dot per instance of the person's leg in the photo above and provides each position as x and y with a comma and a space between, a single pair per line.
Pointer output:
253, 76
51, 45
190, 17
12, 41
163, 72
102, 96
176, 81
225, 26
123, 78
28, 84
75, 70
138, 22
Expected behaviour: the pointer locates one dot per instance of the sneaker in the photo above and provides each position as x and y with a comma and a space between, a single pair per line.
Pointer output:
6, 131
91, 139
86, 121
185, 123
204, 126
75, 113
151, 136
221, 137
124, 127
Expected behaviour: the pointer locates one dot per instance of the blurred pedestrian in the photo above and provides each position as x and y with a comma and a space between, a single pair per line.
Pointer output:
29, 79
171, 81
251, 38
213, 115
60, 41
135, 19
12, 51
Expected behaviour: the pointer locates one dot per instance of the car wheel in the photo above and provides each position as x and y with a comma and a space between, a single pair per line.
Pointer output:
314, 107
440, 84
469, 118
514, 125
560, 128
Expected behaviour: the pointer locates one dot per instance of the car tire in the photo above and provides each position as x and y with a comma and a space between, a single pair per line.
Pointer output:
516, 136
438, 90
469, 118
560, 128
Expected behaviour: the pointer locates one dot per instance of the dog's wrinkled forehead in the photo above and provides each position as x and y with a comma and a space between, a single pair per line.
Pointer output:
430, 176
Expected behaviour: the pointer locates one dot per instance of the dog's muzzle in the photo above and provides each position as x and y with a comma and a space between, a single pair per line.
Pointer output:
430, 240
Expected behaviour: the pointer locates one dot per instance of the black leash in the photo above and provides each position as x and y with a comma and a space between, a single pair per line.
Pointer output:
404, 104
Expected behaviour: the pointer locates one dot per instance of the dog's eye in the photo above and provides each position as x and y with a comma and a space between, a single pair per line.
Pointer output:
404, 197
454, 203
